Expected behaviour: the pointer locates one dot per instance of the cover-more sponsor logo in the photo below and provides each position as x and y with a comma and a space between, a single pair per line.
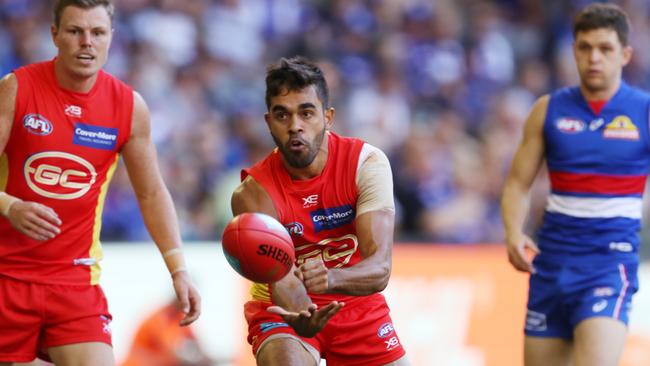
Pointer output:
37, 124
95, 136
332, 217
59, 175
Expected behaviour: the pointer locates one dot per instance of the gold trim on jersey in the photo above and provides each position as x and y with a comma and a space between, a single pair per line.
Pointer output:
4, 171
96, 246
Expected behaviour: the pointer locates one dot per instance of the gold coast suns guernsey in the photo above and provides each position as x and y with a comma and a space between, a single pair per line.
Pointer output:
62, 152
319, 213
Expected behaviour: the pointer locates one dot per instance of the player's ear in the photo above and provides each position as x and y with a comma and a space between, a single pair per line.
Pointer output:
627, 54
329, 117
267, 118
54, 30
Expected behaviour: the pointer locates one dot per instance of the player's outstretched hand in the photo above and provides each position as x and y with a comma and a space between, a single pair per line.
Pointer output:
314, 275
35, 220
308, 322
517, 255
188, 297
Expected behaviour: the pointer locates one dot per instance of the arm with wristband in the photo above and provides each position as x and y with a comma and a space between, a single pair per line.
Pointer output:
157, 208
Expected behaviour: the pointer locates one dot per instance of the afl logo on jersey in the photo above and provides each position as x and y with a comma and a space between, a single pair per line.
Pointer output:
37, 124
59, 175
570, 125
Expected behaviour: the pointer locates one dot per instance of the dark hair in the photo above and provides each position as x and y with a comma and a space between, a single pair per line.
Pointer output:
293, 74
60, 5
601, 15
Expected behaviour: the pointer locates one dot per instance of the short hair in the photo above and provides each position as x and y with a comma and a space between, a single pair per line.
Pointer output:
60, 5
293, 74
600, 15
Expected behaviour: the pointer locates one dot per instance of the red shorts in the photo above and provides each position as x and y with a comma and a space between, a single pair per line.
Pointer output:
362, 333
35, 317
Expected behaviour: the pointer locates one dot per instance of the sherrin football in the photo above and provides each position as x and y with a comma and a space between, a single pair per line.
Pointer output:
258, 247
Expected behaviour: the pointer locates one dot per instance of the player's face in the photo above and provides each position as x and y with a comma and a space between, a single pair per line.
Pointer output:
600, 58
298, 123
83, 38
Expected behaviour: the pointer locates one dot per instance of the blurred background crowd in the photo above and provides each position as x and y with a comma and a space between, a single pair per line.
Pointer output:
442, 86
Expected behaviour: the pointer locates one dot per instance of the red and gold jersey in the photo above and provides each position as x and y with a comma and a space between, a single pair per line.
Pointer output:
319, 213
62, 152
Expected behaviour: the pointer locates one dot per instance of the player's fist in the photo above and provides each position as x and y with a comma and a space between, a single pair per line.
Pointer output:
35, 220
517, 255
314, 275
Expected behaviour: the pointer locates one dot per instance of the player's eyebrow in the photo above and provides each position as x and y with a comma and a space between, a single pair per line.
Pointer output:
307, 105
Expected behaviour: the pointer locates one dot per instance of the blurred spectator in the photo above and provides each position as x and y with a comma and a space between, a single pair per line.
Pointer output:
439, 85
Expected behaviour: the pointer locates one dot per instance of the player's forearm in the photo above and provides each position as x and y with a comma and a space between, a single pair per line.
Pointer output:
514, 207
364, 278
159, 217
290, 293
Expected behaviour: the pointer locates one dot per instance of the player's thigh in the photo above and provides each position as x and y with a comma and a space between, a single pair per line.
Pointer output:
403, 361
286, 351
599, 342
82, 354
543, 351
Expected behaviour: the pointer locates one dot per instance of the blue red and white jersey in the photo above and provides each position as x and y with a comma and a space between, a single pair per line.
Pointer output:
598, 165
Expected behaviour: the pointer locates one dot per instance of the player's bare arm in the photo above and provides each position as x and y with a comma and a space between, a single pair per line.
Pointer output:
289, 294
375, 223
515, 199
157, 208
33, 219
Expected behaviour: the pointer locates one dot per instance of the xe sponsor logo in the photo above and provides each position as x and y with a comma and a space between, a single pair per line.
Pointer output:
310, 201
59, 175
391, 343
37, 125
72, 111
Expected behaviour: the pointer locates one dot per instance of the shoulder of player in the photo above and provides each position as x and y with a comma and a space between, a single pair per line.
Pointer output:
538, 112
250, 196
370, 153
8, 86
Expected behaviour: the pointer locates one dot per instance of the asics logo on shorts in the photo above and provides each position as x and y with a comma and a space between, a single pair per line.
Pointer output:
59, 175
535, 321
599, 306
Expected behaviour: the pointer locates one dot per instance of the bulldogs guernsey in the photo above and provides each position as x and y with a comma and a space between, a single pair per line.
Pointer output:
320, 212
62, 152
598, 166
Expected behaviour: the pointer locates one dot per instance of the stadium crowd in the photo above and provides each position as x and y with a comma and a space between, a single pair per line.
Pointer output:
442, 86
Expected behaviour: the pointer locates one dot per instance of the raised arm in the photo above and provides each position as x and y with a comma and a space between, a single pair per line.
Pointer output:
33, 219
375, 223
515, 198
141, 162
289, 294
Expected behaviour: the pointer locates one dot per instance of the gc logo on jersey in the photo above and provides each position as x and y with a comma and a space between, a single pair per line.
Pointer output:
621, 127
59, 175
37, 125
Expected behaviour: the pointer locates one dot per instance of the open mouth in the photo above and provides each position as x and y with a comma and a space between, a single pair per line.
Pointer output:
297, 145
86, 58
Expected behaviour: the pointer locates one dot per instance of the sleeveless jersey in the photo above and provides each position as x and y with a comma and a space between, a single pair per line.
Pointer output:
319, 213
598, 166
62, 152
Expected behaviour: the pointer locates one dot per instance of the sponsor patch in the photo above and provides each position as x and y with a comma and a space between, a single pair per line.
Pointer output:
331, 218
95, 136
37, 125
570, 125
59, 175
267, 326
392, 343
536, 321
310, 201
603, 291
621, 127
72, 110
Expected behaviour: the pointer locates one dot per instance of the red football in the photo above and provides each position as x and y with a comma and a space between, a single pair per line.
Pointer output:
258, 247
